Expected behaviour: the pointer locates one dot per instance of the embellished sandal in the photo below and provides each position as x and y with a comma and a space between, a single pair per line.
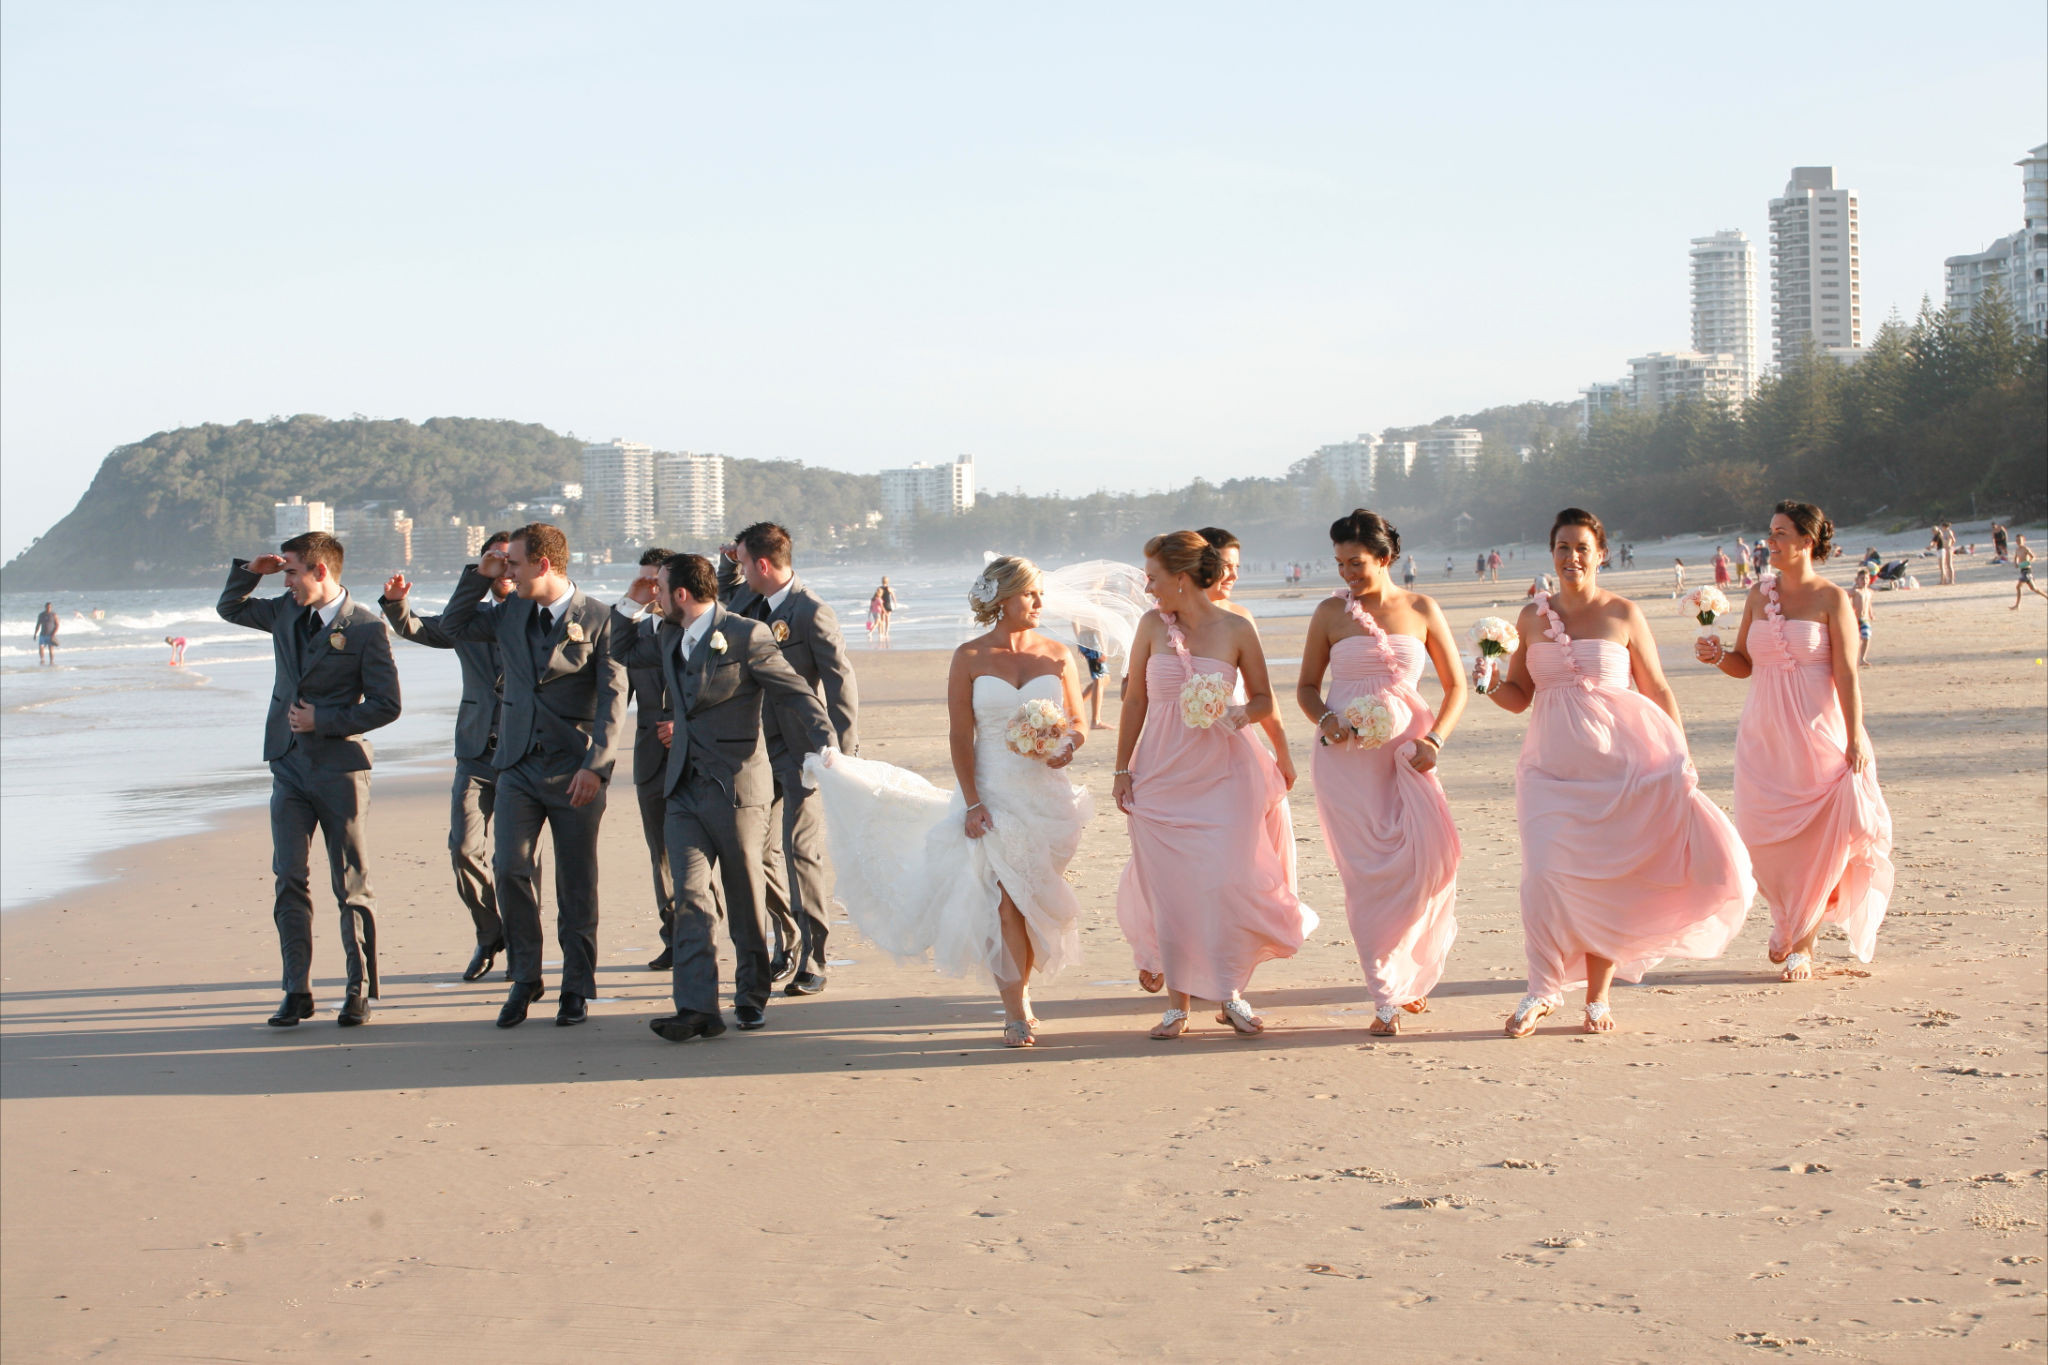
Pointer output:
1237, 1013
1151, 982
1171, 1025
1798, 967
1523, 1021
1017, 1033
1386, 1020
1599, 1018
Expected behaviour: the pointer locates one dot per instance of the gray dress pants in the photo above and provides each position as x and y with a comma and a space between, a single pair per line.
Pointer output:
714, 845
471, 801
533, 794
304, 799
653, 822
795, 873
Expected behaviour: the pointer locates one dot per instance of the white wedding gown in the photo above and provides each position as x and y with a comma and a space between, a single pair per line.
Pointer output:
914, 883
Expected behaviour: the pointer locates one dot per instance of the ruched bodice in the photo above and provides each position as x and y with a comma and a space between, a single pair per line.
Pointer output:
1359, 660
1596, 663
995, 702
1791, 644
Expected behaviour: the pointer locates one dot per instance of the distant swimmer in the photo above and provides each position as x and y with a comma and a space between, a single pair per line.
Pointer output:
177, 644
46, 636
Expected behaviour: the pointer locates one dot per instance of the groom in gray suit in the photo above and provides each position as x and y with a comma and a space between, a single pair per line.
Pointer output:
335, 681
565, 704
719, 670
757, 580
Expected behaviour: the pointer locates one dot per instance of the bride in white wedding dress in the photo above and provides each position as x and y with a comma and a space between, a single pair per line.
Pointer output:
975, 876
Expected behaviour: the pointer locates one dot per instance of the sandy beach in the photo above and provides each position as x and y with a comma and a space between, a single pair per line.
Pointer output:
1850, 1169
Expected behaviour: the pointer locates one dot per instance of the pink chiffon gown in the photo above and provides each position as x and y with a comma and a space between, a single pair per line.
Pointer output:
1622, 857
1388, 826
1819, 835
1209, 891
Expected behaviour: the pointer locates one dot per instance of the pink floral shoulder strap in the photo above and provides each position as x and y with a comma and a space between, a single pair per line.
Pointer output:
1554, 632
1772, 611
1373, 630
1179, 640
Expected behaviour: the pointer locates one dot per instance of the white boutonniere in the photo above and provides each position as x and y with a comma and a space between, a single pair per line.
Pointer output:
780, 630
575, 633
718, 642
337, 641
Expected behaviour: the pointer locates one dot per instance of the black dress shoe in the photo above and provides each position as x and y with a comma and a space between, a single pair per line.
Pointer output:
750, 1017
781, 967
571, 1010
524, 993
480, 961
681, 1028
666, 960
355, 1010
296, 1006
805, 983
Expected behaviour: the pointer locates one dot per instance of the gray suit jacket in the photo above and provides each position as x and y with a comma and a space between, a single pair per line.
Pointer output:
649, 693
570, 700
718, 697
345, 674
483, 675
807, 632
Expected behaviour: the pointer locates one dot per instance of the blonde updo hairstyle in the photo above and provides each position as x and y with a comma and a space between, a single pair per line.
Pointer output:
1002, 578
1186, 552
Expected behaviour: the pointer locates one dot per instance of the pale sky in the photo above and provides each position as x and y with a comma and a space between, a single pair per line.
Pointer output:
1096, 245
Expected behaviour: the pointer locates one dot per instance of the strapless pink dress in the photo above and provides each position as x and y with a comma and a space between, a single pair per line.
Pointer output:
1389, 827
1622, 856
1209, 892
1819, 835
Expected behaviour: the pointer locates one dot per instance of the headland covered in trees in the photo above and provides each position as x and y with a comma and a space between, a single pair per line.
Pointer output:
1936, 419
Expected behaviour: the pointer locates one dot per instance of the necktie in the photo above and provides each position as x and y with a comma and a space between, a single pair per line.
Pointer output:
309, 626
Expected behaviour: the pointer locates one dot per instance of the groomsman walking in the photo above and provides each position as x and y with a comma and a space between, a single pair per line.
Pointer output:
565, 701
760, 583
719, 669
474, 795
335, 682
652, 726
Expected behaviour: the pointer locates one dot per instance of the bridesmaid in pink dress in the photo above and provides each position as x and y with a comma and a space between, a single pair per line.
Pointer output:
1384, 814
1806, 797
1624, 862
1209, 892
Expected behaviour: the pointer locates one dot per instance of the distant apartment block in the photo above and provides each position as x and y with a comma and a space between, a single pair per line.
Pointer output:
1395, 455
689, 494
447, 542
295, 516
1816, 259
1599, 397
1970, 277
945, 490
1351, 465
1445, 448
2016, 264
376, 534
1665, 378
618, 483
1724, 301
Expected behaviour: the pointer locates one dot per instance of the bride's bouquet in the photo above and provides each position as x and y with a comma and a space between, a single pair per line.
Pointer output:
1703, 604
1204, 700
1038, 730
1495, 639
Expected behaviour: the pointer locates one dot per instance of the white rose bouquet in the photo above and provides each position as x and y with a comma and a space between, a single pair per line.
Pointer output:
1372, 722
1204, 700
1039, 730
1495, 640
1703, 604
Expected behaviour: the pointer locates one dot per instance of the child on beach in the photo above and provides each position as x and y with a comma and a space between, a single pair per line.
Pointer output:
1861, 602
1677, 577
177, 644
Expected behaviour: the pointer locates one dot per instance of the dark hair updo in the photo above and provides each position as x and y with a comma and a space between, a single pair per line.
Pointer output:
1219, 537
1369, 529
1579, 516
1185, 552
1811, 522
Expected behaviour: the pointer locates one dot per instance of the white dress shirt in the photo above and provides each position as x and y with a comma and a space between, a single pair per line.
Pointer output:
552, 611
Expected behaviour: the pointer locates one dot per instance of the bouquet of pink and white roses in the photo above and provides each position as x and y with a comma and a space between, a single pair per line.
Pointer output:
1039, 730
1703, 604
1204, 700
1495, 639
1371, 721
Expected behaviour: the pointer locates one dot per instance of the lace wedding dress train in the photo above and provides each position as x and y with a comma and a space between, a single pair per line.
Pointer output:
914, 883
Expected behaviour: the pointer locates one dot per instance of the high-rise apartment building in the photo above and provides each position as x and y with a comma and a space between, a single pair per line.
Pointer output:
295, 516
2028, 287
689, 494
1967, 278
1600, 397
1351, 465
1449, 448
1816, 258
618, 484
376, 534
447, 543
1724, 302
945, 490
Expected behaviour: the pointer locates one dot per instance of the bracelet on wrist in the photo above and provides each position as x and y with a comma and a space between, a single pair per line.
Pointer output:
1436, 739
975, 807
1123, 772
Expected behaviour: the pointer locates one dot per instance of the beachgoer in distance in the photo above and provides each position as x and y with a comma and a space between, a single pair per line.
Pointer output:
46, 636
1677, 577
1863, 602
2024, 557
177, 644
883, 607
1091, 695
